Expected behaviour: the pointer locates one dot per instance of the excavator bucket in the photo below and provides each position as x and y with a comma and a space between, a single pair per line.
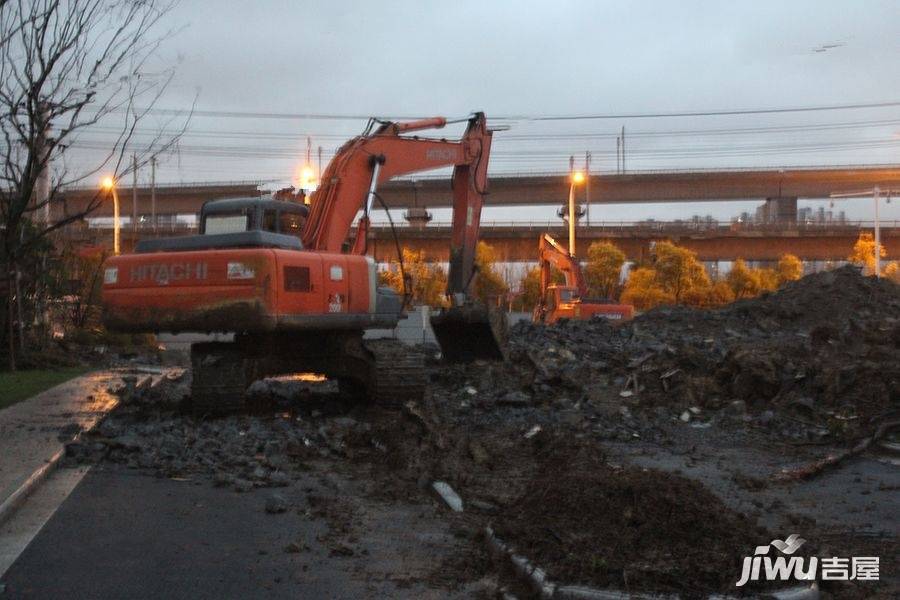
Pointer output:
471, 332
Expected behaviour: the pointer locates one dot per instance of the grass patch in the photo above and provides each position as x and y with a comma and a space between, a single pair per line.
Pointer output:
19, 385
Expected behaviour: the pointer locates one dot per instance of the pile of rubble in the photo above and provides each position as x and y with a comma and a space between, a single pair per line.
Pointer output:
821, 356
150, 430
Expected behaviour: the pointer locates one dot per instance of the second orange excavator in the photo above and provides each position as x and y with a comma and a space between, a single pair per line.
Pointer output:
569, 301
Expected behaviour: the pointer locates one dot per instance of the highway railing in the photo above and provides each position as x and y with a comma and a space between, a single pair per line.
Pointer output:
550, 225
660, 225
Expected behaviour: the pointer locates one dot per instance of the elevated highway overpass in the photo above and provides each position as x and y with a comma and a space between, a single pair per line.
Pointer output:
656, 186
517, 242
548, 189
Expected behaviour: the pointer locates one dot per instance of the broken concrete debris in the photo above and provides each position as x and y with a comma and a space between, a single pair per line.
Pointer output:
276, 504
446, 493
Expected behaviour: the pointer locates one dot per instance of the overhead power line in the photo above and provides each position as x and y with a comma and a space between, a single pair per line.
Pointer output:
715, 113
235, 114
509, 137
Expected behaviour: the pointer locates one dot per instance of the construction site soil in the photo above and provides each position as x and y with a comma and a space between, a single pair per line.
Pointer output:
648, 456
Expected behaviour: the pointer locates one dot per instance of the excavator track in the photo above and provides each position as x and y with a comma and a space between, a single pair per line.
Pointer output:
390, 373
398, 374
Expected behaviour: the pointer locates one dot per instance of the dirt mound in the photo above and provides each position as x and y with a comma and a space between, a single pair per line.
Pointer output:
587, 522
824, 350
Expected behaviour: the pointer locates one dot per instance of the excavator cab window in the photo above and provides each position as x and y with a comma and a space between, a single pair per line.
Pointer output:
270, 221
231, 222
567, 295
291, 223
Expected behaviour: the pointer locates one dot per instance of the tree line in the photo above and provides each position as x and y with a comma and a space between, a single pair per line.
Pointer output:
669, 275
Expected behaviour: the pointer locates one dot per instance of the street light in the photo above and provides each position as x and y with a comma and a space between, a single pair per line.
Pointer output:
307, 178
576, 179
109, 184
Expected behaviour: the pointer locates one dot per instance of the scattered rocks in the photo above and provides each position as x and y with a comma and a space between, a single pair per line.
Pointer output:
242, 485
516, 399
276, 504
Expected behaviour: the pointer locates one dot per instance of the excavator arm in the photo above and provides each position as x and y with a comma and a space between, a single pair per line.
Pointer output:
552, 254
350, 183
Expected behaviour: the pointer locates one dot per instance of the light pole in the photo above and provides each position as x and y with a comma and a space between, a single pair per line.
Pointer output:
576, 178
876, 193
876, 196
109, 184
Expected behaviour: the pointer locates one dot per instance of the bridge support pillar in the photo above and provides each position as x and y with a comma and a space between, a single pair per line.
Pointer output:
779, 210
417, 217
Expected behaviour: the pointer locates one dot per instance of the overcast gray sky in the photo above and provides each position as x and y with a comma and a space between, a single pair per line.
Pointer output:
521, 58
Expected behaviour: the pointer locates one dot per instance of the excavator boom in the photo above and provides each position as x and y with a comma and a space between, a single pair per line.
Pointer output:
553, 254
350, 183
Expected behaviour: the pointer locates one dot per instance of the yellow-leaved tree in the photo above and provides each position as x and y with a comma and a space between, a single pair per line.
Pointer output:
603, 269
744, 281
489, 285
428, 278
678, 271
644, 291
863, 253
789, 268
892, 271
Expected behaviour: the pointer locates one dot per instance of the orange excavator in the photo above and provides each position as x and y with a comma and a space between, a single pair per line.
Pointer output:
569, 301
297, 294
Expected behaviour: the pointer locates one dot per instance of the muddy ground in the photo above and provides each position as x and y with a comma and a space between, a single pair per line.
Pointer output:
651, 456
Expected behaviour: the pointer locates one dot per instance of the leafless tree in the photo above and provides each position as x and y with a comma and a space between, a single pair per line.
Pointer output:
67, 67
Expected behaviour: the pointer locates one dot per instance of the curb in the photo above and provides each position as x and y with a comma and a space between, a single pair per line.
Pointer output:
15, 499
536, 579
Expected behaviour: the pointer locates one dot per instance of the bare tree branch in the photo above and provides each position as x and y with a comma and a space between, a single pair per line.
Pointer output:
67, 66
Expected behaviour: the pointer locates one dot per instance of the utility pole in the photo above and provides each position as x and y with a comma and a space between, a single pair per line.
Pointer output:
134, 210
876, 193
153, 193
587, 186
319, 177
618, 146
623, 148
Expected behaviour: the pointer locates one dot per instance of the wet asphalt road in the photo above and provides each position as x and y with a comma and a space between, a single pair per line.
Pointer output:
122, 534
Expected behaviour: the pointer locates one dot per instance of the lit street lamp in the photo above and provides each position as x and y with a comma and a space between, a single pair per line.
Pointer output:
109, 184
576, 178
307, 178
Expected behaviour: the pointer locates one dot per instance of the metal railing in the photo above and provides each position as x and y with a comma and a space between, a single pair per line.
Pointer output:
180, 226
660, 225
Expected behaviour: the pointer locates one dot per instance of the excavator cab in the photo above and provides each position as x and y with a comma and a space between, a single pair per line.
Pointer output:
239, 215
